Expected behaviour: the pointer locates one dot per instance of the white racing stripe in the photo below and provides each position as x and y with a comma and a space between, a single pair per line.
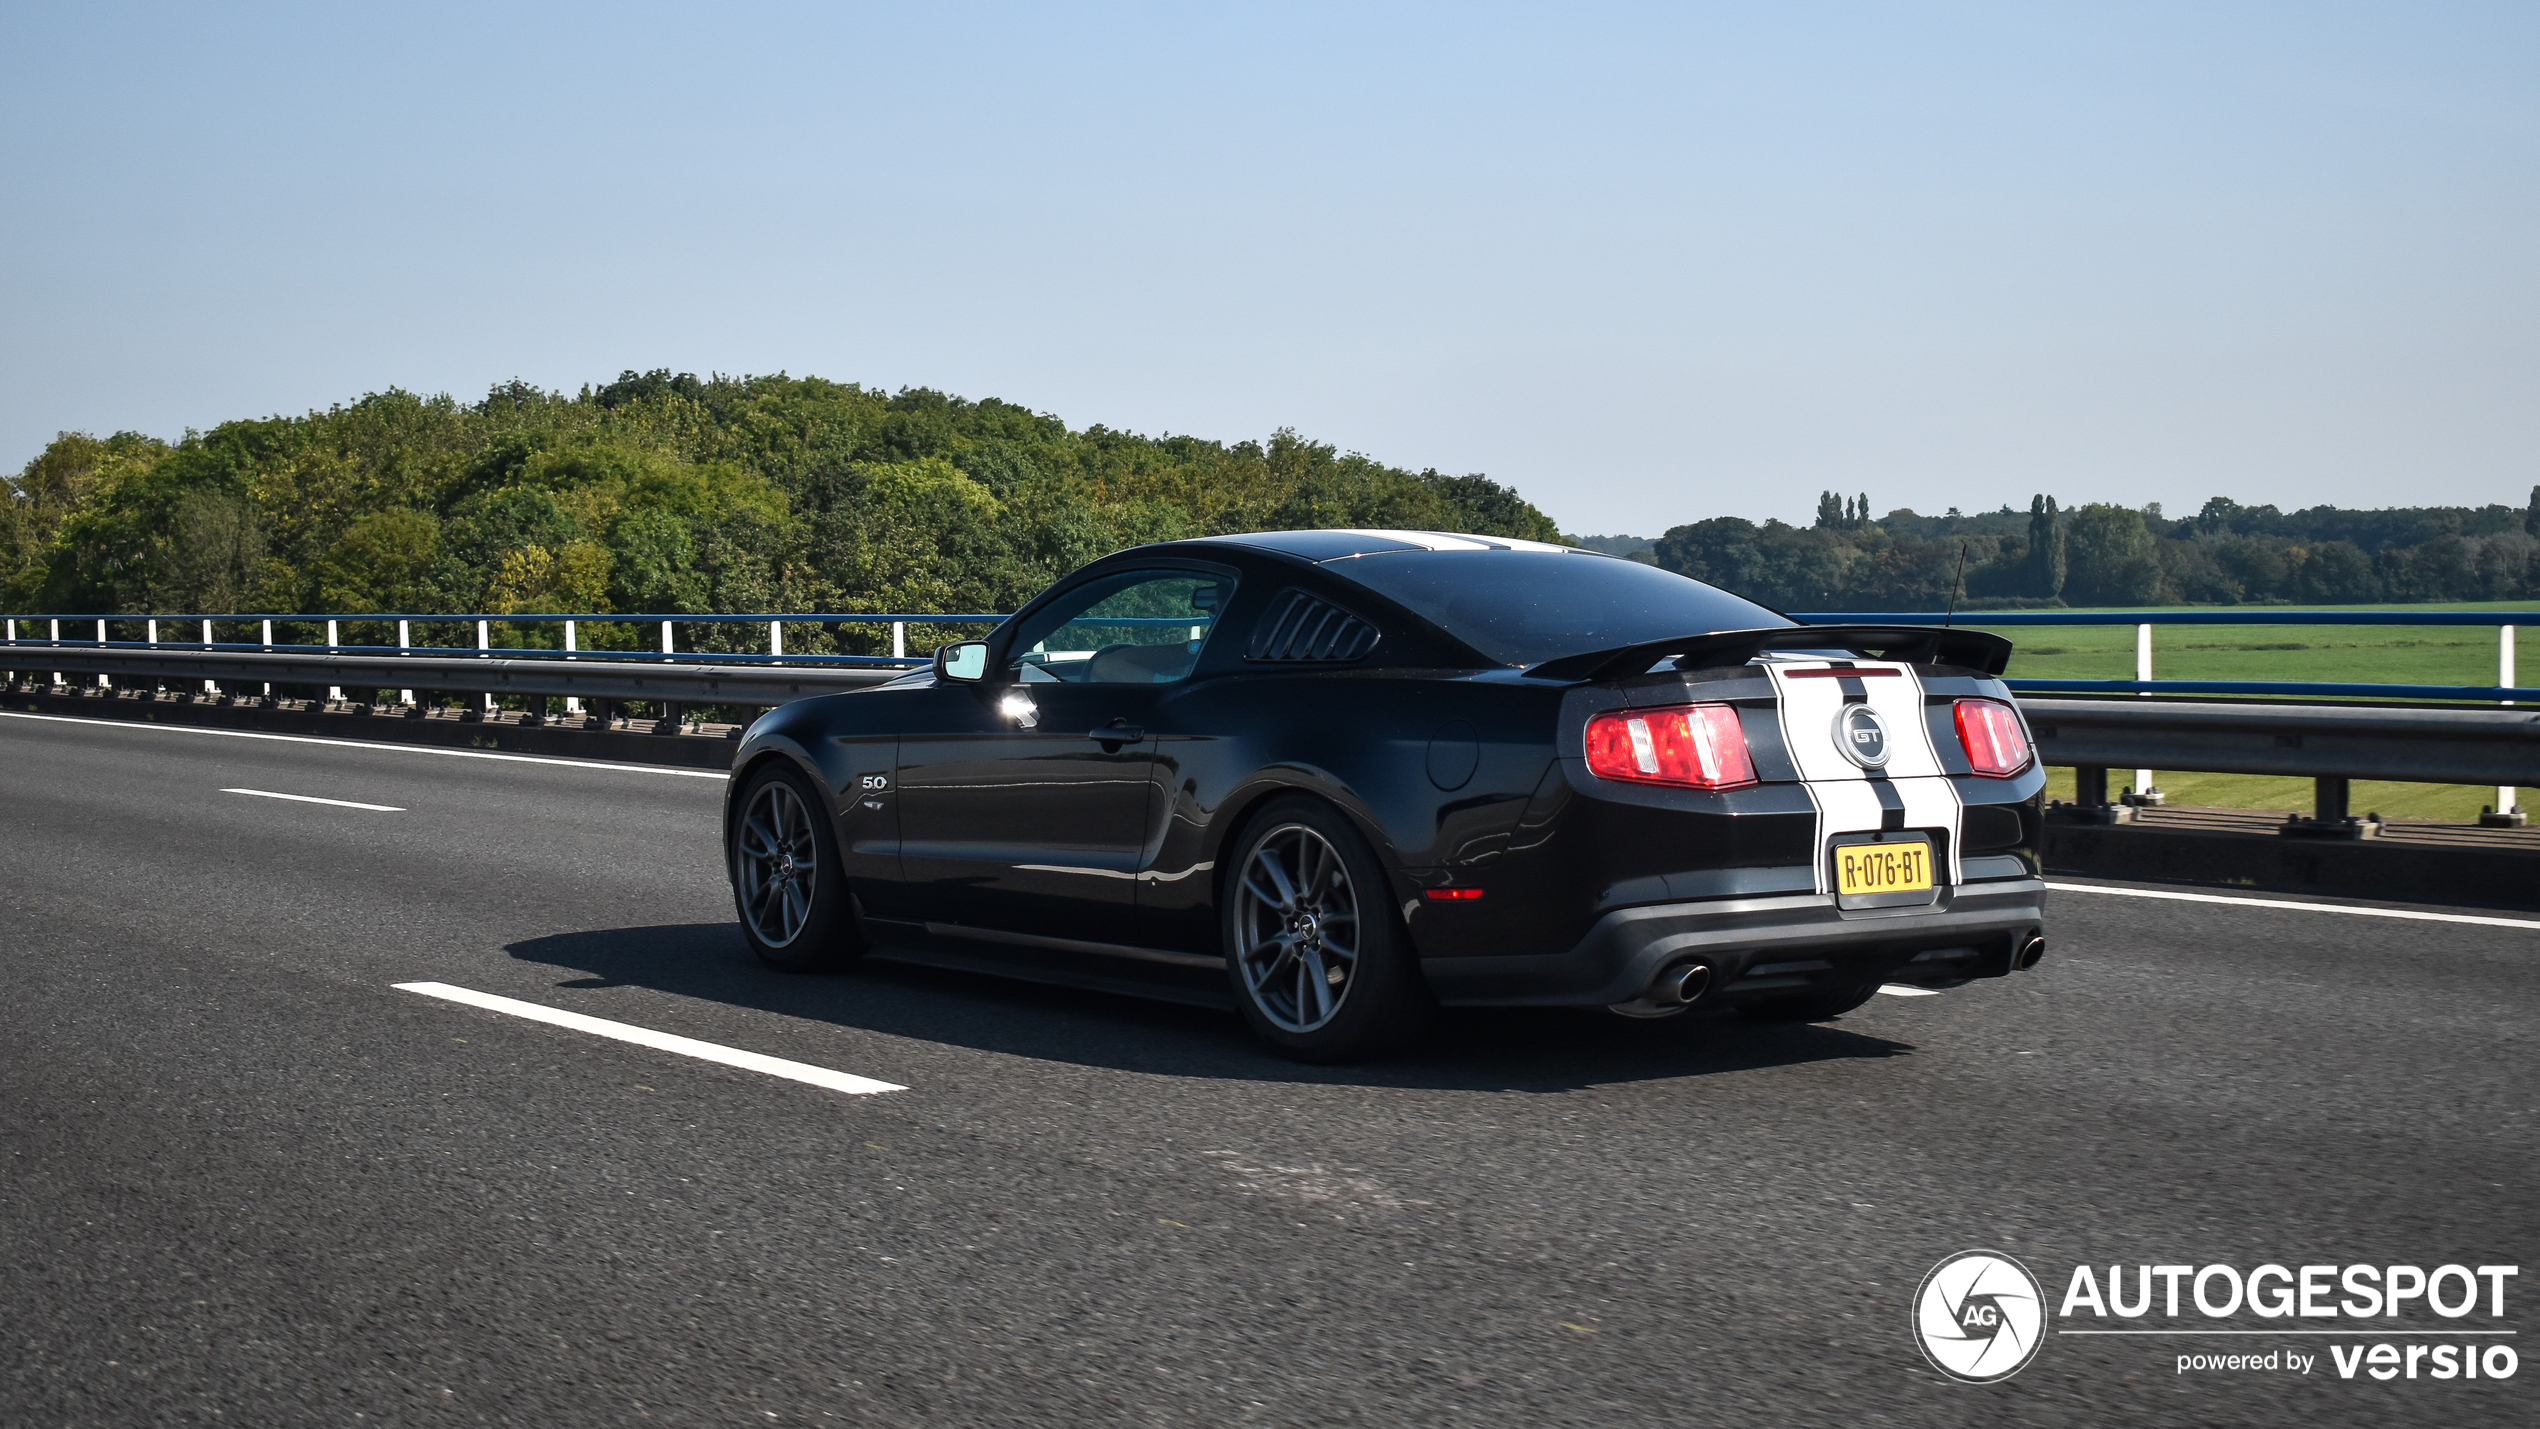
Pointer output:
1846, 798
659, 1041
314, 799
2407, 913
372, 744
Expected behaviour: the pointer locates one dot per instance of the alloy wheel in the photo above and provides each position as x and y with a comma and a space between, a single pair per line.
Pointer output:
1296, 928
778, 862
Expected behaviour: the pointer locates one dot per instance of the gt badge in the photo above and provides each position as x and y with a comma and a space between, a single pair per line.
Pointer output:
1861, 735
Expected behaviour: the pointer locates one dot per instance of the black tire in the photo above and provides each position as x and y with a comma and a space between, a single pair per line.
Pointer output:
1319, 961
787, 883
1811, 1007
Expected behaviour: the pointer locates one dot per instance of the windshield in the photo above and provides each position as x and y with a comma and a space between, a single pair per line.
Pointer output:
1526, 607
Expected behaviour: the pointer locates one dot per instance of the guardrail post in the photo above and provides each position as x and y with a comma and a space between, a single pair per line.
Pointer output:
103, 682
669, 721
2332, 815
485, 641
572, 703
2145, 792
776, 639
210, 687
2090, 786
405, 645
2508, 811
57, 639
899, 639
334, 693
2091, 804
268, 650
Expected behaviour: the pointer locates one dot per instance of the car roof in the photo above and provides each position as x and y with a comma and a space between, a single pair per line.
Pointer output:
1336, 545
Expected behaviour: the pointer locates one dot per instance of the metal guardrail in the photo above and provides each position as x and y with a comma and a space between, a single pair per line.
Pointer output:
695, 683
2422, 746
2331, 788
2148, 735
2332, 744
102, 625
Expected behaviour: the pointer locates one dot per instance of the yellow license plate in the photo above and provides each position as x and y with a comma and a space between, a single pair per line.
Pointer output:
1882, 868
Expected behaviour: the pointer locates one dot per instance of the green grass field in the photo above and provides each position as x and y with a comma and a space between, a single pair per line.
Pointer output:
2363, 654
2367, 654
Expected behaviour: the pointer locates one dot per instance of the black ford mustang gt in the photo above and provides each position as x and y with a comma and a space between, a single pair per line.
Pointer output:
1336, 778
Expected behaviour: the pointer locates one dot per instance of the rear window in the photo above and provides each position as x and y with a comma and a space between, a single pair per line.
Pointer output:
1526, 607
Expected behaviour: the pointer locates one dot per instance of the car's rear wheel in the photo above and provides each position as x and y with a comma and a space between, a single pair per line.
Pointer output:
1320, 965
786, 879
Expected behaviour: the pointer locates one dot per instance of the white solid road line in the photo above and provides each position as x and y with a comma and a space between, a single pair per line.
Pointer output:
1898, 989
2352, 912
659, 1041
314, 799
373, 744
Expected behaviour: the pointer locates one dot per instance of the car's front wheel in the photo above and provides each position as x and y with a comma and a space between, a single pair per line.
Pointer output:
1320, 965
786, 878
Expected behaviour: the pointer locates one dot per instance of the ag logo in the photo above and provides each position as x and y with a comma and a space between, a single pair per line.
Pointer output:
1861, 735
1979, 1316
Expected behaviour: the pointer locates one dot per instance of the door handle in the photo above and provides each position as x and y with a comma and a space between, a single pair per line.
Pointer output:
1118, 734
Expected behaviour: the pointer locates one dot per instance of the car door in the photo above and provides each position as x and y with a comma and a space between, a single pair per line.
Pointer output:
1023, 798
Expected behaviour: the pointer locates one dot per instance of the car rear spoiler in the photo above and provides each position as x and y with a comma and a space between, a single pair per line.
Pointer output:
1908, 644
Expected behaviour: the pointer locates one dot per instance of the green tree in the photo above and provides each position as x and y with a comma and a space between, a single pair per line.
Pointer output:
2049, 557
2112, 558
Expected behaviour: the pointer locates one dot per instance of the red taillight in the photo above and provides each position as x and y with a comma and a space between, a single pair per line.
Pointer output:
1990, 732
1697, 746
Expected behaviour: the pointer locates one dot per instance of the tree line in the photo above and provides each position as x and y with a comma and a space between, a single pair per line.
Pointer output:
2103, 555
664, 493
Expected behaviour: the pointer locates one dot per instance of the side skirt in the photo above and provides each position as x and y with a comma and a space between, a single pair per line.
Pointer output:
1193, 979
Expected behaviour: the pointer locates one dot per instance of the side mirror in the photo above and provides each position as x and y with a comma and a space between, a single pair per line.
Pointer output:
965, 660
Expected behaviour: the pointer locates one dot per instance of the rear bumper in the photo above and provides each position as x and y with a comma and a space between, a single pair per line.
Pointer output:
1761, 948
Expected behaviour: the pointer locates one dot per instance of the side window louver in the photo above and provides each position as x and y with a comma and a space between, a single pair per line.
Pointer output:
1298, 628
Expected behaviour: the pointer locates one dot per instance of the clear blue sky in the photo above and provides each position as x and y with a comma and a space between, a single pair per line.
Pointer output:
1647, 264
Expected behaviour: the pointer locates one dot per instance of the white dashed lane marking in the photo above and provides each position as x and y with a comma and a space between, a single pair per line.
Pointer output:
659, 1041
314, 799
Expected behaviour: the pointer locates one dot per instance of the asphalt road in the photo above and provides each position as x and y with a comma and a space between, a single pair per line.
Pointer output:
248, 1181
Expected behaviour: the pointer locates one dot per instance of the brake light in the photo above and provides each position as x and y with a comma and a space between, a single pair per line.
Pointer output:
1990, 732
1696, 746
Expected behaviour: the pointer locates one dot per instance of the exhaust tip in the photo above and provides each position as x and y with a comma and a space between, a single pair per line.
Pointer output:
2032, 949
1681, 986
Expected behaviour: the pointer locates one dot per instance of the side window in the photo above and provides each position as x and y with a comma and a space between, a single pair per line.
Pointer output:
1129, 628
